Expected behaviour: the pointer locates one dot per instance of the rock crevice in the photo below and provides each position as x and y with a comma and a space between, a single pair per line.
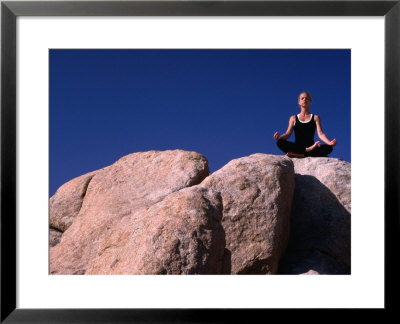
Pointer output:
320, 218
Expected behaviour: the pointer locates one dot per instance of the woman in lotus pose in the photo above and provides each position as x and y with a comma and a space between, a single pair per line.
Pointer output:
304, 125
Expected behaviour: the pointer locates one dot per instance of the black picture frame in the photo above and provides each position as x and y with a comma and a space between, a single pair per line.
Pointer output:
10, 10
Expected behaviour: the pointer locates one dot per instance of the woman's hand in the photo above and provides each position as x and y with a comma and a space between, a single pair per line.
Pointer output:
333, 142
276, 135
316, 144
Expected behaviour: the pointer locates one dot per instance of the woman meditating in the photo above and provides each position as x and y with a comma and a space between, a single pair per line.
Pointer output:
304, 125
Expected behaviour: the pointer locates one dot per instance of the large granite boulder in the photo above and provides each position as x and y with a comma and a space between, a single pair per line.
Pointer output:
320, 219
122, 190
257, 194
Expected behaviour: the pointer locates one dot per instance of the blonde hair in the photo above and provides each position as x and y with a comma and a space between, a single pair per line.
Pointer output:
307, 93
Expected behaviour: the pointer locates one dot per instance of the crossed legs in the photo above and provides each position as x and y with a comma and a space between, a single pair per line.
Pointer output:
294, 150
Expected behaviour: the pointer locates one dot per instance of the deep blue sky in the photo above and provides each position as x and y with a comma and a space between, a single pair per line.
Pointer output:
224, 104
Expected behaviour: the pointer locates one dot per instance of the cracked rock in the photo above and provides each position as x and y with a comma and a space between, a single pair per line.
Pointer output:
320, 219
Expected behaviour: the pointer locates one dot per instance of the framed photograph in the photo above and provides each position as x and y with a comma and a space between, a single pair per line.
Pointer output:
348, 50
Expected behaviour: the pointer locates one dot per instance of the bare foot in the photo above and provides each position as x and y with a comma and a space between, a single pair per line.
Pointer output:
294, 155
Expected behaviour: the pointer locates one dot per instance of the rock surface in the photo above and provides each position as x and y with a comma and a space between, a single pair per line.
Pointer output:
320, 219
122, 190
66, 203
257, 196
180, 235
333, 173
162, 213
54, 237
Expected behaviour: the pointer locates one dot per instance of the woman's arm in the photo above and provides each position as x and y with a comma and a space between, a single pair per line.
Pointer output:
321, 134
288, 132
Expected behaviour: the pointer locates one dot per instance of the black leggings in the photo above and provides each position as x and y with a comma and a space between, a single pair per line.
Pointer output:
287, 146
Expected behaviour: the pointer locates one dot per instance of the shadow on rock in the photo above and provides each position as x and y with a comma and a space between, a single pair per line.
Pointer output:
320, 231
227, 268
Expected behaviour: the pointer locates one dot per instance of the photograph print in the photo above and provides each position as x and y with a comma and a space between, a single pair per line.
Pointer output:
200, 161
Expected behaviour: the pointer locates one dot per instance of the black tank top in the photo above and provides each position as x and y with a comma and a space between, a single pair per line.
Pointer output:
304, 132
